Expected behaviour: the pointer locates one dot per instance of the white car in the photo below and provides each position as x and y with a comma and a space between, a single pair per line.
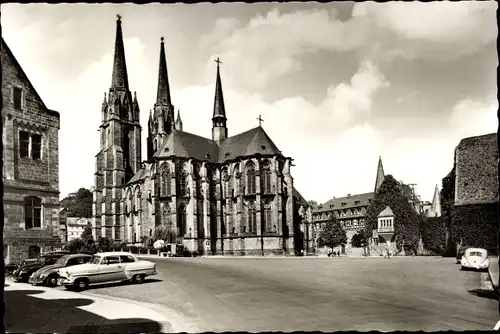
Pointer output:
106, 267
475, 258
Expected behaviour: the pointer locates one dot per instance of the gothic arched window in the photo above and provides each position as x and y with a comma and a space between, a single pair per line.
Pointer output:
266, 178
250, 178
197, 180
225, 182
181, 180
32, 212
211, 183
252, 218
154, 145
166, 182
267, 221
181, 220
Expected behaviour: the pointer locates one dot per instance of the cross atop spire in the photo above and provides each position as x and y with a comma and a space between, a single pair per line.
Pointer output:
120, 76
163, 93
218, 61
260, 120
119, 17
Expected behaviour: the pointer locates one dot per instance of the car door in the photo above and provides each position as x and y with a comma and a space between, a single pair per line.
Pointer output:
111, 269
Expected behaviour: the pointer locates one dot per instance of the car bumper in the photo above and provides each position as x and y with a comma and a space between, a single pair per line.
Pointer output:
64, 281
475, 267
19, 277
36, 281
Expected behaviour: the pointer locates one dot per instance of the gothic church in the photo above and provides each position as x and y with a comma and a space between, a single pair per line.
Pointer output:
230, 195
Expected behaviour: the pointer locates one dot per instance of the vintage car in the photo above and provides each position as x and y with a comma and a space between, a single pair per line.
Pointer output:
30, 261
475, 258
23, 273
48, 275
106, 267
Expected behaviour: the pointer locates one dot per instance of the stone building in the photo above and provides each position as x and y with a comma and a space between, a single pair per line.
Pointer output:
225, 195
30, 166
473, 187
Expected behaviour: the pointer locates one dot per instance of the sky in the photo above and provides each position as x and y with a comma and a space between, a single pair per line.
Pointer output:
337, 84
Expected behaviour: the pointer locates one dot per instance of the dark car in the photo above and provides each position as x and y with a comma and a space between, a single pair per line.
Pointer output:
461, 253
23, 273
48, 275
30, 261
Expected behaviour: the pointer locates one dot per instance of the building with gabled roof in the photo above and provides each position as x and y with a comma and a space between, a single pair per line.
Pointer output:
30, 170
222, 195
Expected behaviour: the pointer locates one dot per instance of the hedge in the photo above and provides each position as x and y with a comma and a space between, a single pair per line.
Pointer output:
433, 234
406, 219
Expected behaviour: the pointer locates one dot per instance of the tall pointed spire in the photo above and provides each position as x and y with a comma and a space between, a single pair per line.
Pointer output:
436, 203
120, 76
219, 109
380, 174
163, 95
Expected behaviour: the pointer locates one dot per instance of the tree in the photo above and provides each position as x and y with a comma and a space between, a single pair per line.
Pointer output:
166, 232
104, 245
79, 205
406, 219
433, 234
358, 240
86, 236
333, 234
312, 203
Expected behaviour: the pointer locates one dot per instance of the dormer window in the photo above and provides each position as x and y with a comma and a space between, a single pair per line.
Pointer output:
263, 147
226, 154
343, 204
356, 202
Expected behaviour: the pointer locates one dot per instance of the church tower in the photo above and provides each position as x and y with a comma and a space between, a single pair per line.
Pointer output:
161, 122
219, 120
119, 157
380, 175
436, 203
178, 121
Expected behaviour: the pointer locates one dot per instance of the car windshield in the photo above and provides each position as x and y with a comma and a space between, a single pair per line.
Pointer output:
41, 260
95, 259
62, 260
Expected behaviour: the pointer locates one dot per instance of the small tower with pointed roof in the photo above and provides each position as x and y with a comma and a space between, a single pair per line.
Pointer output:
436, 203
119, 157
380, 175
219, 120
162, 121
178, 121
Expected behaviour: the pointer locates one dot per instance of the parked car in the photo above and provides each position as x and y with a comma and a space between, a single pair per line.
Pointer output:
461, 252
106, 267
48, 275
475, 258
23, 273
33, 260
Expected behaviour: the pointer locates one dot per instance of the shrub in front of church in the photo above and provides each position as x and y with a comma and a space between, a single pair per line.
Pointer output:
433, 234
332, 235
406, 219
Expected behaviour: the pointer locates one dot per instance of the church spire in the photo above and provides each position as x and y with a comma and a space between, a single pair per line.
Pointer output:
436, 202
163, 95
219, 109
120, 77
380, 174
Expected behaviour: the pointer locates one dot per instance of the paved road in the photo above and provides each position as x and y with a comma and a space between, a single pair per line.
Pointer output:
288, 294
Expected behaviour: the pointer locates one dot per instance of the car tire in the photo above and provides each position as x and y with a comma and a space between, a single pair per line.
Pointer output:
81, 284
138, 279
51, 281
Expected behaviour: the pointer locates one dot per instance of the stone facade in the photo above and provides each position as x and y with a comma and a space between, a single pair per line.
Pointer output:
30, 168
225, 195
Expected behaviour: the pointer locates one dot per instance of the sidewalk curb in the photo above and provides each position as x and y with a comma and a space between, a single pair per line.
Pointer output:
169, 320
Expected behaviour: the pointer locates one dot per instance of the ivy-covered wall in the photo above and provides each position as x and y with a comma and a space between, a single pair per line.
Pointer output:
406, 219
433, 232
447, 200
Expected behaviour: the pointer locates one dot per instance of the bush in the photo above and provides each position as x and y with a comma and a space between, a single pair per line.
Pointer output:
332, 234
406, 219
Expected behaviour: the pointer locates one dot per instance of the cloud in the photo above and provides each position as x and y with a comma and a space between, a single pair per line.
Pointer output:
381, 31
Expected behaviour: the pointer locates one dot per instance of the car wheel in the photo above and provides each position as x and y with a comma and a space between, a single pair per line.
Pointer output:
51, 281
138, 279
81, 284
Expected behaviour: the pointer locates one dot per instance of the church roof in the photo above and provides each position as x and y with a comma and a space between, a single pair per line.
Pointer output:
350, 202
387, 212
253, 141
298, 196
476, 161
187, 145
